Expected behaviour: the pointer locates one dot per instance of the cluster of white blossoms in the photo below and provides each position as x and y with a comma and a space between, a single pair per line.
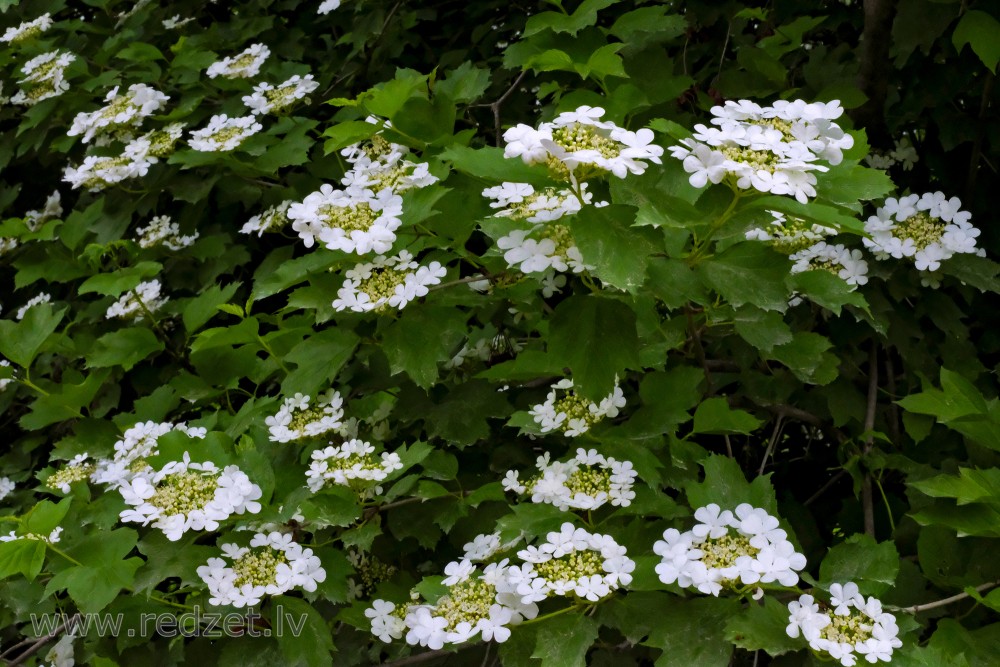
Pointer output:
273, 219
136, 302
50, 211
928, 228
484, 547
267, 98
51, 538
273, 564
138, 155
76, 470
43, 78
728, 549
772, 149
122, 113
188, 495
386, 282
243, 65
850, 626
903, 154
137, 444
520, 201
4, 381
789, 234
162, 231
353, 464
546, 249
480, 603
7, 487
847, 264
585, 482
578, 145
378, 164
571, 413
224, 133
297, 419
44, 297
27, 30
353, 220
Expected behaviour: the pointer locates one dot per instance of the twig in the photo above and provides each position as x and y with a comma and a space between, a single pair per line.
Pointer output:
770, 445
42, 641
460, 281
797, 414
946, 601
867, 501
495, 106
699, 350
418, 658
977, 146
833, 480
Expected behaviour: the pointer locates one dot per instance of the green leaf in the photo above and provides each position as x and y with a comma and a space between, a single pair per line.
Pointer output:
692, 632
762, 627
333, 506
64, 404
748, 273
849, 184
715, 416
425, 120
653, 20
826, 289
807, 356
420, 339
46, 515
24, 556
302, 632
125, 348
318, 359
969, 486
200, 309
607, 240
584, 16
347, 134
465, 83
872, 566
120, 281
762, 329
490, 165
726, 485
103, 572
564, 640
981, 31
21, 341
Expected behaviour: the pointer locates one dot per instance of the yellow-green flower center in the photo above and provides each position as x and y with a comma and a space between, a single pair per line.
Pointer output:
467, 601
382, 284
572, 566
357, 217
722, 552
258, 567
575, 407
922, 228
182, 492
69, 475
850, 629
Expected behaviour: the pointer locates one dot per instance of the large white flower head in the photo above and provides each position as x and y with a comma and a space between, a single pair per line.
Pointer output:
585, 482
27, 30
98, 172
297, 419
386, 282
122, 113
354, 464
224, 133
243, 65
44, 297
728, 549
577, 145
273, 564
479, 603
135, 303
7, 486
571, 562
162, 231
188, 495
847, 628
79, 468
273, 219
788, 233
848, 265
353, 220
928, 229
267, 98
543, 249
565, 410
43, 78
51, 538
520, 201
138, 443
772, 149
50, 211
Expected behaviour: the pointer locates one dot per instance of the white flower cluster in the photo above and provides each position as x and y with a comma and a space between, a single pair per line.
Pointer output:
138, 443
44, 297
788, 234
50, 211
482, 603
43, 78
27, 30
138, 155
120, 115
3, 385
273, 219
577, 145
296, 420
188, 495
352, 220
903, 153
520, 201
572, 414
162, 231
728, 549
134, 303
379, 164
386, 282
484, 547
224, 133
772, 149
352, 464
585, 482
176, 22
278, 99
849, 627
78, 469
51, 538
7, 486
273, 564
849, 265
243, 65
928, 228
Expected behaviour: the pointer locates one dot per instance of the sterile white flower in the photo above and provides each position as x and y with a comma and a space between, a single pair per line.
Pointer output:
44, 297
353, 464
385, 282
296, 419
27, 30
243, 65
162, 231
135, 303
267, 98
224, 133
122, 113
585, 482
571, 413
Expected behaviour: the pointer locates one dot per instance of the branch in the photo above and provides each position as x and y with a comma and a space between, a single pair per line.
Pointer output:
946, 601
42, 641
867, 501
873, 73
420, 657
495, 106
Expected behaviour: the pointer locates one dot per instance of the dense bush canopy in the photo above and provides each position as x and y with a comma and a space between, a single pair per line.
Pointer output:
515, 333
